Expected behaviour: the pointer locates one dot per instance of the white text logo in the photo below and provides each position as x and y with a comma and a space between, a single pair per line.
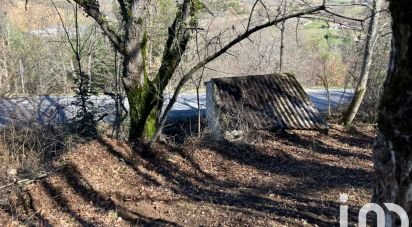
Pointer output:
380, 213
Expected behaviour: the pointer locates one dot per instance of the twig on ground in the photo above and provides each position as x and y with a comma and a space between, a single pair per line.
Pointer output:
28, 181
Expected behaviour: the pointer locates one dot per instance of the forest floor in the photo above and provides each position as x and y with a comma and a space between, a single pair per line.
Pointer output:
289, 179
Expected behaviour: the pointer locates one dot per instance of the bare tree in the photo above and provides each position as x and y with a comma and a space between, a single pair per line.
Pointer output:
198, 81
366, 64
21, 73
145, 95
282, 37
249, 31
85, 116
323, 76
145, 89
4, 68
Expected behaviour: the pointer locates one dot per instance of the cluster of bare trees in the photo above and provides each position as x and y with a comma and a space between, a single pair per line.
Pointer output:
369, 46
11, 77
38, 61
155, 58
132, 33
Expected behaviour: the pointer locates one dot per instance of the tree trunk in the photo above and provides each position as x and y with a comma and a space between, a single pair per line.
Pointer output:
282, 39
138, 87
145, 96
89, 72
143, 111
21, 72
366, 65
282, 46
4, 66
199, 128
393, 149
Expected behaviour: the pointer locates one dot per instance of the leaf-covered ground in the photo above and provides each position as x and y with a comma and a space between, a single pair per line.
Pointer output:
288, 179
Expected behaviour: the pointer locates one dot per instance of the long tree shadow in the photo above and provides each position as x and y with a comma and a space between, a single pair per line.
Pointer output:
320, 147
62, 202
131, 163
293, 193
197, 185
83, 189
32, 216
356, 138
328, 176
206, 189
359, 141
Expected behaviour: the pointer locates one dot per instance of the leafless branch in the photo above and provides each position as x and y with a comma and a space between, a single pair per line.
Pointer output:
343, 16
349, 5
223, 50
251, 14
66, 31
27, 181
92, 9
332, 20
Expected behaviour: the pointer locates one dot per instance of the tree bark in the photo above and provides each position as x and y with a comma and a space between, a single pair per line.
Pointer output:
282, 38
89, 72
145, 95
366, 65
282, 46
21, 73
393, 149
4, 77
137, 85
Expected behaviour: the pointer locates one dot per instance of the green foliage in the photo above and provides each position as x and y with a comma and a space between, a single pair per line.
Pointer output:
17, 39
326, 37
197, 5
196, 8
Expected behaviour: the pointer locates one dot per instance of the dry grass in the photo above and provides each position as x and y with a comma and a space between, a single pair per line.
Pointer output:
27, 154
27, 150
291, 179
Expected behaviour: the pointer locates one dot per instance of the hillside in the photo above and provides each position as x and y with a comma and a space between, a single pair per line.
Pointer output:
41, 14
294, 178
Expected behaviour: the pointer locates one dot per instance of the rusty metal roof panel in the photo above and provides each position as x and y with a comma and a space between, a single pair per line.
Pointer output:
265, 101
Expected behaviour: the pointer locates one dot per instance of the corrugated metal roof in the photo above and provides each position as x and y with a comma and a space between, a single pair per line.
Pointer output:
273, 101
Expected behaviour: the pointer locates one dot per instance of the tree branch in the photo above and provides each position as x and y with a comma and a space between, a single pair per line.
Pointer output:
332, 20
223, 50
176, 44
251, 14
92, 9
123, 9
27, 181
343, 16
